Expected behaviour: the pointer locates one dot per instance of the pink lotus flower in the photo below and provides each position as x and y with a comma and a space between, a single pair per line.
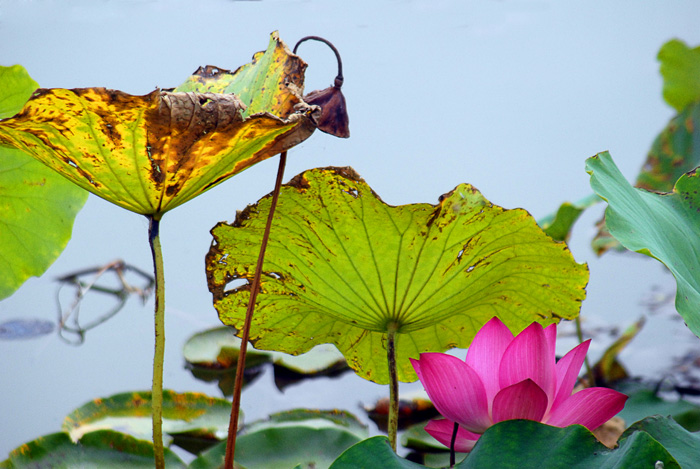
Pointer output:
506, 377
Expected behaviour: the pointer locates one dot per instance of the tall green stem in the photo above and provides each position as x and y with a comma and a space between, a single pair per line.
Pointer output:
254, 287
157, 390
393, 423
589, 370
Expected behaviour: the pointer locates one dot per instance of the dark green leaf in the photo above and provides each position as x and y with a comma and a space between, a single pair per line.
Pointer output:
524, 443
371, 453
683, 446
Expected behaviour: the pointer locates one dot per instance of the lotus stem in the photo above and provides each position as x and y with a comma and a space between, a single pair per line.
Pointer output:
452, 445
158, 358
393, 424
254, 288
339, 77
579, 335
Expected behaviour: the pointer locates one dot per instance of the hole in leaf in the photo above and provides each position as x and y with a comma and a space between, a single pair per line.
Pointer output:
236, 284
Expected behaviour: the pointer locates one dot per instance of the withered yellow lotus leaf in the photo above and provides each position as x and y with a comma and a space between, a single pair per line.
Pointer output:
151, 153
148, 153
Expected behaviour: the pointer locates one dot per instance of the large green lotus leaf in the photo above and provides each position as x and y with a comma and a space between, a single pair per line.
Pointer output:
372, 452
151, 153
194, 413
104, 449
526, 443
664, 226
680, 67
309, 438
37, 206
343, 267
272, 82
683, 446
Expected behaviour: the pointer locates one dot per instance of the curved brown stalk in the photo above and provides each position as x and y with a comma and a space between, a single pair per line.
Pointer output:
255, 286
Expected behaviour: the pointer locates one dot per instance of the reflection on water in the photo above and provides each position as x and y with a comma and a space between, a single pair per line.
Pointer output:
510, 96
25, 329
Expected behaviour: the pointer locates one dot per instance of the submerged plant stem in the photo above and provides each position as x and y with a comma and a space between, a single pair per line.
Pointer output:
159, 322
579, 335
255, 286
393, 424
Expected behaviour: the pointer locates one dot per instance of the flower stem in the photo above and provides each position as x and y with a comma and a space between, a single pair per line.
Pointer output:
158, 357
452, 445
393, 423
579, 335
255, 286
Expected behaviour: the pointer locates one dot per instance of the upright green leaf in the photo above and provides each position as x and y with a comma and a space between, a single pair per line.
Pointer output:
151, 153
680, 67
37, 206
343, 267
664, 226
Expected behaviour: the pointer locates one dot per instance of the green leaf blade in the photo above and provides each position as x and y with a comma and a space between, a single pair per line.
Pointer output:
664, 226
37, 206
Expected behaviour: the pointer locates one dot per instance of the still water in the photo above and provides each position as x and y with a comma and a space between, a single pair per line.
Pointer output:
510, 96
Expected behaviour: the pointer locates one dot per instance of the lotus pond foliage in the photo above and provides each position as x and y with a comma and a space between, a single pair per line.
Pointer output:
389, 289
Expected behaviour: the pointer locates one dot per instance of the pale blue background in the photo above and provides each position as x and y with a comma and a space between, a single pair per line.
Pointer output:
510, 96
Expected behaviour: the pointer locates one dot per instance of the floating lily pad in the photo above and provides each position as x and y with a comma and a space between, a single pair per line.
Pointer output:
104, 449
212, 355
343, 267
310, 439
37, 206
218, 349
204, 418
321, 361
413, 408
